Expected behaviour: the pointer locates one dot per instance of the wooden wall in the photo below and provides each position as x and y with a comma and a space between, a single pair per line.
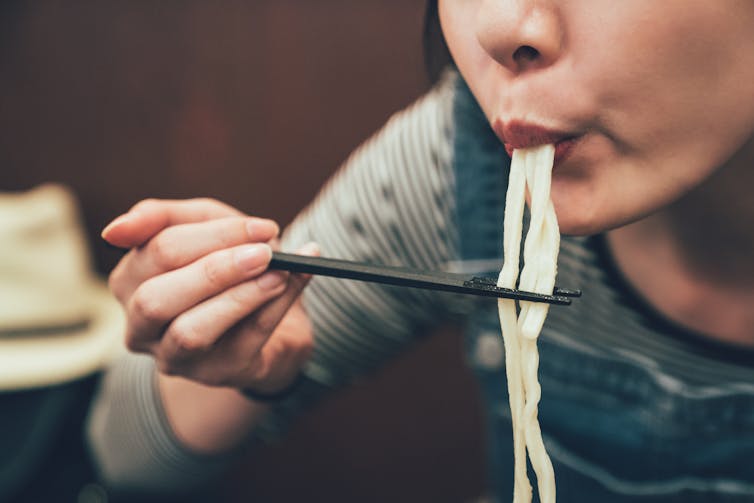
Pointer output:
255, 103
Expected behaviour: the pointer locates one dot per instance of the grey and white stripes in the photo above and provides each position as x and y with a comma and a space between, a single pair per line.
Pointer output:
130, 437
393, 202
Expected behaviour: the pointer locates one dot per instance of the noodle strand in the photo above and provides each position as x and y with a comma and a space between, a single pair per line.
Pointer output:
514, 210
529, 168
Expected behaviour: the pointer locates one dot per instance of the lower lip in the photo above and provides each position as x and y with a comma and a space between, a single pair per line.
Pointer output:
563, 149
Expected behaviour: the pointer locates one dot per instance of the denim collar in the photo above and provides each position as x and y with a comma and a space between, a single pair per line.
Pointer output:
481, 167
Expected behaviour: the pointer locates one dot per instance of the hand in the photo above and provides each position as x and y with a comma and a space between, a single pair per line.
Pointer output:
198, 297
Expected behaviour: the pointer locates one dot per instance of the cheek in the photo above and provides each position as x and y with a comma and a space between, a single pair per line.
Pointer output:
675, 102
458, 22
456, 37
670, 82
607, 189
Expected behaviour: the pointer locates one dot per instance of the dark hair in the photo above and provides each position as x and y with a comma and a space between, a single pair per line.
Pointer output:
436, 54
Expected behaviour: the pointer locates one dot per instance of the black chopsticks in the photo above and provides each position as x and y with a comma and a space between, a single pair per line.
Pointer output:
401, 276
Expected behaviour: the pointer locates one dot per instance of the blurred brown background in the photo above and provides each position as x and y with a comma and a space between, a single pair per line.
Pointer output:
255, 103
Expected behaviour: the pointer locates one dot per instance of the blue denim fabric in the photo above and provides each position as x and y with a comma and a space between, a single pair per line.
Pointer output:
614, 433
613, 417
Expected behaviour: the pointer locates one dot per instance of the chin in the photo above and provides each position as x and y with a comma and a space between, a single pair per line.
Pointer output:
579, 227
574, 220
581, 214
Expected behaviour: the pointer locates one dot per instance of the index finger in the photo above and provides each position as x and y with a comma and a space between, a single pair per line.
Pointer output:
150, 216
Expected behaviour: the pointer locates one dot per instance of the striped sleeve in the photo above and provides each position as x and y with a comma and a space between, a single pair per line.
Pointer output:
131, 440
391, 203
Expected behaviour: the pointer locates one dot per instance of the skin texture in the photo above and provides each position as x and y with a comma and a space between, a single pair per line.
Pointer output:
660, 94
198, 299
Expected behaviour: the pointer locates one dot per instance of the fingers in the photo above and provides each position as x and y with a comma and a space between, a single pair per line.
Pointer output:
162, 298
180, 245
233, 361
150, 216
198, 329
271, 369
254, 307
198, 294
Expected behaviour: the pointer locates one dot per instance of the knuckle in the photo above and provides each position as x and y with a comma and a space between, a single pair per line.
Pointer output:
215, 207
214, 272
295, 348
266, 324
146, 305
239, 228
146, 205
165, 251
209, 203
242, 296
229, 231
185, 337
261, 371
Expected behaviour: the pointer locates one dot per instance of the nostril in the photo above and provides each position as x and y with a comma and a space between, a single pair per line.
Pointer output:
525, 53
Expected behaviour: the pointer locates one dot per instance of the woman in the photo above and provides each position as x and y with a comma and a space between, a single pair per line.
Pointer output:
648, 385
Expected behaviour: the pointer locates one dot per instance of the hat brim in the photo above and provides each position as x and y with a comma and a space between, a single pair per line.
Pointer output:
35, 361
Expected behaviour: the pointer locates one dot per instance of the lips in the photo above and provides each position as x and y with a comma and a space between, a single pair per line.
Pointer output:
517, 134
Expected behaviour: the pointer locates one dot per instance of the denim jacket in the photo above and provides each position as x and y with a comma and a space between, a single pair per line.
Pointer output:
617, 429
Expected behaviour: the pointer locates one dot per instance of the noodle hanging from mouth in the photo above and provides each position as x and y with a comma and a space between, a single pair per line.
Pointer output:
530, 168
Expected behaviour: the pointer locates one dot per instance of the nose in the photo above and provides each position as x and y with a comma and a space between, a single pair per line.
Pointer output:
521, 35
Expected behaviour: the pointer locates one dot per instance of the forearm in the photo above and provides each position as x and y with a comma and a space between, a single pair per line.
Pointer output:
130, 437
148, 431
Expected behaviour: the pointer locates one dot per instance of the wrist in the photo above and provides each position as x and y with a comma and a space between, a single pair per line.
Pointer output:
273, 396
207, 420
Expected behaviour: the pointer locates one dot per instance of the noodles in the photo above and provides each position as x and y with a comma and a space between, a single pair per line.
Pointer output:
530, 168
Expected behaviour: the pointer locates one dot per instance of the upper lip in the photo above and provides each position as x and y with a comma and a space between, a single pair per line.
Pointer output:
519, 134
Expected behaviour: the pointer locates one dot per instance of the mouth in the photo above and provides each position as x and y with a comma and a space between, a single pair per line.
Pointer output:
518, 134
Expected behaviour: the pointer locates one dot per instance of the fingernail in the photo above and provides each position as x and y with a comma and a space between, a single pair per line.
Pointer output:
271, 280
121, 219
252, 256
261, 228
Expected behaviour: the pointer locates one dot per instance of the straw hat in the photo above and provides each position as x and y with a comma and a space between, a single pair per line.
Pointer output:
58, 322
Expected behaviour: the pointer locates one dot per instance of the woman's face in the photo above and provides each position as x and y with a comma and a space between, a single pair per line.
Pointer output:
653, 95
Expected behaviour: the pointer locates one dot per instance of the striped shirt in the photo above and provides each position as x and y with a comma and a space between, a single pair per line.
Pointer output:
394, 202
